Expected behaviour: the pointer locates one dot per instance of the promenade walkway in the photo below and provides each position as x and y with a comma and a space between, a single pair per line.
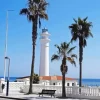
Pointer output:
22, 96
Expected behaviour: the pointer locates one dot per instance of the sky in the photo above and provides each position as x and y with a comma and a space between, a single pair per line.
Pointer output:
61, 14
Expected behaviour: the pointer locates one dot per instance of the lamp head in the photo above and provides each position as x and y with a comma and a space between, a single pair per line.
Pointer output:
6, 57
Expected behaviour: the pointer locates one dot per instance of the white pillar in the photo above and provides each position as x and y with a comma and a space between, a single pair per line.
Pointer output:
2, 81
27, 81
44, 53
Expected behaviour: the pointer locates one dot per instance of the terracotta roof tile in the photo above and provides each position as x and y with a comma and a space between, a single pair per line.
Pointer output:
70, 78
54, 78
49, 78
59, 77
45, 77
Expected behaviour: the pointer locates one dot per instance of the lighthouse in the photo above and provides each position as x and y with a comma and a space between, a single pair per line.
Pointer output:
44, 53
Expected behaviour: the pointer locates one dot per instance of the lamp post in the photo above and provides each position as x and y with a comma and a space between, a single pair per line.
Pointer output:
7, 89
6, 40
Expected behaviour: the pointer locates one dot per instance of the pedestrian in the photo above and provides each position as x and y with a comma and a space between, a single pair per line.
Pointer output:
3, 86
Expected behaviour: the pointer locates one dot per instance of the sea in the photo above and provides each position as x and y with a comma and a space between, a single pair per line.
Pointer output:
11, 79
85, 82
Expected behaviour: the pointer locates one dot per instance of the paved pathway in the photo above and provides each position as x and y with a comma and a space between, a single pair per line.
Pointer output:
39, 99
6, 99
35, 97
30, 97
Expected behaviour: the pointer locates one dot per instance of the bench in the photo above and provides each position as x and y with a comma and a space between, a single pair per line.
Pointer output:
47, 92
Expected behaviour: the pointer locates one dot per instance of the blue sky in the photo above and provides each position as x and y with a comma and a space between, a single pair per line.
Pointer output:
61, 14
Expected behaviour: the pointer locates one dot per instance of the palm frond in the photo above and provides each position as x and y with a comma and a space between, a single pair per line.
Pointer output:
24, 11
74, 38
71, 49
30, 18
59, 49
43, 4
32, 2
74, 56
71, 60
55, 57
74, 63
85, 19
36, 9
39, 23
64, 45
91, 34
79, 21
36, 1
62, 54
67, 46
43, 15
75, 20
90, 24
74, 29
84, 32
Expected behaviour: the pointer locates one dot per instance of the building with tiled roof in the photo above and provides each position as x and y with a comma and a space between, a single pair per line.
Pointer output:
52, 80
57, 80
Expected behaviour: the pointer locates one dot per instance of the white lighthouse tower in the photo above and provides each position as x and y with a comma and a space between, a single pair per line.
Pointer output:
44, 53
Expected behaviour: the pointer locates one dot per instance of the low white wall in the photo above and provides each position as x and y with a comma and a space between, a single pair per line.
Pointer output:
86, 92
14, 86
38, 88
0, 89
2, 81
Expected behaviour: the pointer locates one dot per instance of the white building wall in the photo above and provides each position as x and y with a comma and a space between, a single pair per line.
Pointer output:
44, 82
57, 82
22, 80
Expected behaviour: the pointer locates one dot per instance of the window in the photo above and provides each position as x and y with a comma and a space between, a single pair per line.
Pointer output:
53, 83
67, 84
72, 84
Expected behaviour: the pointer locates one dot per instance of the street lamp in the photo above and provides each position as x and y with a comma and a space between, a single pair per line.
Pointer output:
6, 43
7, 89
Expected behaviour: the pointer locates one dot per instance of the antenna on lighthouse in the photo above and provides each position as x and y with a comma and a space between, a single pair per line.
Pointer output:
44, 30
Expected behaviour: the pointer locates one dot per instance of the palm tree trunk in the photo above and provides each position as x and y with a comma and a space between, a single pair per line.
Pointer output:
63, 85
80, 62
31, 75
63, 76
34, 37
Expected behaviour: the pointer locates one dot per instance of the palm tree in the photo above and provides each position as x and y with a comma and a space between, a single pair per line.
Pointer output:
80, 29
35, 11
65, 54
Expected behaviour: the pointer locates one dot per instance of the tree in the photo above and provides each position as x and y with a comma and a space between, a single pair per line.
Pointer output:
65, 54
35, 11
36, 79
80, 29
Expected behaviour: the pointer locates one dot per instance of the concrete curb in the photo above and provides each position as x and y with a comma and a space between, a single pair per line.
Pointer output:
13, 98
